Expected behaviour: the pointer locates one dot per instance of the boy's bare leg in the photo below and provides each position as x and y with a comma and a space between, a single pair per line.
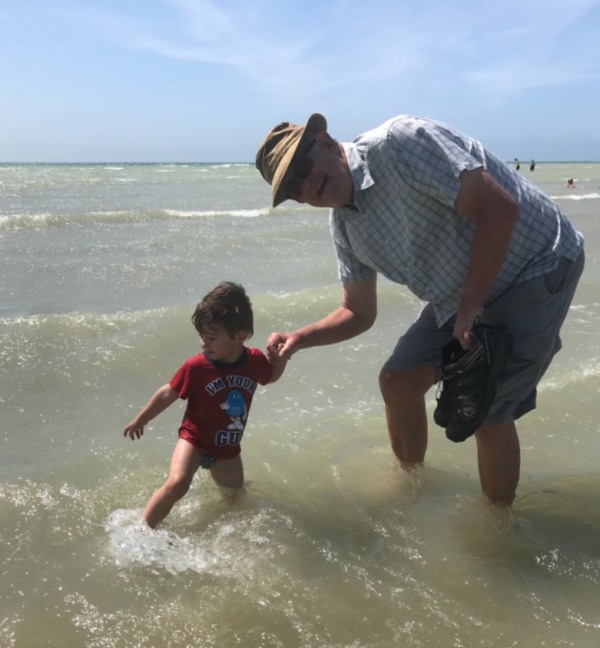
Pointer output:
499, 461
184, 464
228, 473
404, 396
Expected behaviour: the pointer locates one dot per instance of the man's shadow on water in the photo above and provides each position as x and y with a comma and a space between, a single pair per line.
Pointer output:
553, 530
565, 509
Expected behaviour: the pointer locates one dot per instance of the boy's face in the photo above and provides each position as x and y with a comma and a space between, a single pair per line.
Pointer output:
219, 345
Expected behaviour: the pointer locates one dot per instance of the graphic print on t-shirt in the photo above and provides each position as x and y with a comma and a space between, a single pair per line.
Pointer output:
235, 406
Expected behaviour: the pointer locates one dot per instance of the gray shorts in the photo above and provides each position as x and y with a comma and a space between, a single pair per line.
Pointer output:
532, 311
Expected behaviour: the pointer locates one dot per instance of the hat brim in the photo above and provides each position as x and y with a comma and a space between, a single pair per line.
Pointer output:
315, 124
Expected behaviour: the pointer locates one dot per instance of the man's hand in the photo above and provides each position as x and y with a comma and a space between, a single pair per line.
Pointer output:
281, 346
463, 325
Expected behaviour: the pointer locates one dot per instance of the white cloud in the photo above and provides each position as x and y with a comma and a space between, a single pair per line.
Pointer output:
300, 48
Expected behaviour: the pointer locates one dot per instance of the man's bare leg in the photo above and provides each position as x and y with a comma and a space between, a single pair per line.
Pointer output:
404, 397
499, 461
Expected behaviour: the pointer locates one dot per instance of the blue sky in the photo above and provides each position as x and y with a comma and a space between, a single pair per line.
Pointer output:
200, 81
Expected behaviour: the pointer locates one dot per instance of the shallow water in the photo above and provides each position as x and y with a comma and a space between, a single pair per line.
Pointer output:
331, 545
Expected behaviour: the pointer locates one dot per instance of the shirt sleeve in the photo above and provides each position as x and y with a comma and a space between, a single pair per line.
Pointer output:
434, 156
350, 268
181, 381
264, 370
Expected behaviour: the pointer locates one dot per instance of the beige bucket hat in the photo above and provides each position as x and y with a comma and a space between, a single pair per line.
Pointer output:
279, 148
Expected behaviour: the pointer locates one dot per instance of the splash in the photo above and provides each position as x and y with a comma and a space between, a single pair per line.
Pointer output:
132, 542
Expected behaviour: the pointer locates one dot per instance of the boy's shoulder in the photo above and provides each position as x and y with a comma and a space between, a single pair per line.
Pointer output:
197, 360
255, 353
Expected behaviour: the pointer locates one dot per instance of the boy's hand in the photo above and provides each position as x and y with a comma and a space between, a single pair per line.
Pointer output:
134, 430
274, 353
276, 358
162, 398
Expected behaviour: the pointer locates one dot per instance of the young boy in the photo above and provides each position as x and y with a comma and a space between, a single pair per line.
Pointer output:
219, 385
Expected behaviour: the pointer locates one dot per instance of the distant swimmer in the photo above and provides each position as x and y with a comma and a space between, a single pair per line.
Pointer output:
517, 164
532, 165
570, 184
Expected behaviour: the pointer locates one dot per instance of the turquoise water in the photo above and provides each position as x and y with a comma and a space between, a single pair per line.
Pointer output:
331, 544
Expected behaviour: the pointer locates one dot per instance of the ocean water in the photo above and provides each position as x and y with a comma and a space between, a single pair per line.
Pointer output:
331, 544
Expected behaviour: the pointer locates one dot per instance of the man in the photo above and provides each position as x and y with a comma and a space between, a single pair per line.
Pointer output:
431, 208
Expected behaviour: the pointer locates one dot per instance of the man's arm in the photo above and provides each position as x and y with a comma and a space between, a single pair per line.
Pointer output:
356, 314
493, 211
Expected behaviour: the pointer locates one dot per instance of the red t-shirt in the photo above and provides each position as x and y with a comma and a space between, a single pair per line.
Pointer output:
219, 396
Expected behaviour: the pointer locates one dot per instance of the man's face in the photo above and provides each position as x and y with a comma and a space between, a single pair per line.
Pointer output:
320, 176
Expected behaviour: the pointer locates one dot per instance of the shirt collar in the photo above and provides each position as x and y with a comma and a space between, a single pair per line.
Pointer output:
359, 169
229, 365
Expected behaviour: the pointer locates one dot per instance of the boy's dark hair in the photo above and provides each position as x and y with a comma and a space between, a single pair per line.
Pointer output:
227, 306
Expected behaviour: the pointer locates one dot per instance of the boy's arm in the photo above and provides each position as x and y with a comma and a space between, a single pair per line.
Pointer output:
162, 398
278, 369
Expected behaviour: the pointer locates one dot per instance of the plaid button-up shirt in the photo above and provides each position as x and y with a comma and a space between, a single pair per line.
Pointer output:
404, 224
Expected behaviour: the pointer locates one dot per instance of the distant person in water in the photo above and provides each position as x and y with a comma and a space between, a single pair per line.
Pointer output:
517, 164
570, 184
532, 165
219, 385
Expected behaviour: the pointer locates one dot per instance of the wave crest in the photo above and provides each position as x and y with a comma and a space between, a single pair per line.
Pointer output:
45, 220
